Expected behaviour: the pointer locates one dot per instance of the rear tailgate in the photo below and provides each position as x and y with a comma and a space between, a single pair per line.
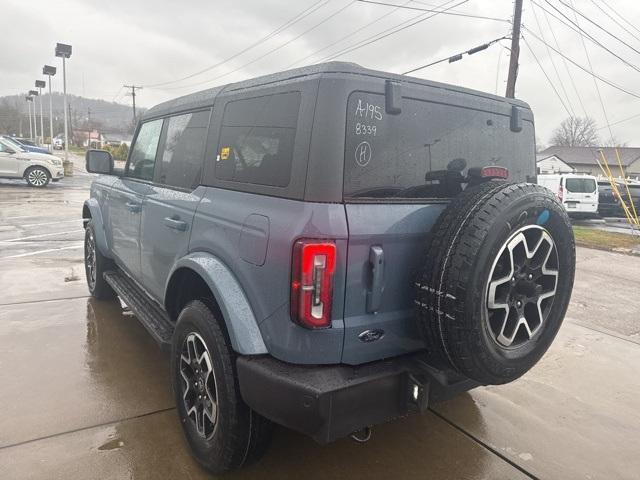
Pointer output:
580, 194
391, 208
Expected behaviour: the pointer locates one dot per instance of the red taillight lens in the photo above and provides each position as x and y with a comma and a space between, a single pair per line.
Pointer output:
560, 193
312, 282
494, 172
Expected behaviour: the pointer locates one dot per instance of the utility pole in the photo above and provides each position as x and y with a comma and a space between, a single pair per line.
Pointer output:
70, 124
133, 96
515, 50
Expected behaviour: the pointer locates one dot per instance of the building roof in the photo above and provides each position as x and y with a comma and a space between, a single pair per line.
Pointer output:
588, 155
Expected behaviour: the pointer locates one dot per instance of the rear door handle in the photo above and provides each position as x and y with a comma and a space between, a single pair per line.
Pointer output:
133, 207
374, 295
175, 223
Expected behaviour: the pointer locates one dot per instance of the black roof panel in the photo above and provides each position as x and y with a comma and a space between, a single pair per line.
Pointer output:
205, 98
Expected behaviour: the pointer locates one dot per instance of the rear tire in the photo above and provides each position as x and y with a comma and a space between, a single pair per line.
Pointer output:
222, 431
37, 177
95, 264
497, 280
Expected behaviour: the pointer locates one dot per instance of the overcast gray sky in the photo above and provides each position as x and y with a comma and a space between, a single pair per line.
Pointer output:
148, 42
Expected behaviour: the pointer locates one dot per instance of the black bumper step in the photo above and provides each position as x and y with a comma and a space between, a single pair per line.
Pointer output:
150, 314
328, 402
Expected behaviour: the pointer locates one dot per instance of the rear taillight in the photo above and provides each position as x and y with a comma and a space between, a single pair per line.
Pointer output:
313, 264
494, 172
560, 192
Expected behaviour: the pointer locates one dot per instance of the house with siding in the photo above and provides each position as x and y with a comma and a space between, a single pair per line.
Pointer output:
585, 160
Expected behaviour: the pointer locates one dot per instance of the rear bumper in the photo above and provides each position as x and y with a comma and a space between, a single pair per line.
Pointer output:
330, 402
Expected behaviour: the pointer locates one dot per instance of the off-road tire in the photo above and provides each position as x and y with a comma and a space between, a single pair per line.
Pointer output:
452, 286
240, 436
99, 289
37, 177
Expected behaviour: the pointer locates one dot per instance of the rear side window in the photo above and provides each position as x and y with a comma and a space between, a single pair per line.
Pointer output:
143, 154
580, 185
180, 163
257, 138
426, 150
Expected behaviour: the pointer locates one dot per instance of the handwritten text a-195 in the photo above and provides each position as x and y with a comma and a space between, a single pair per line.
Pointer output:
368, 110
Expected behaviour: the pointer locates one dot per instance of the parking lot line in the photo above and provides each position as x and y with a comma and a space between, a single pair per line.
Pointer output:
28, 254
41, 236
46, 223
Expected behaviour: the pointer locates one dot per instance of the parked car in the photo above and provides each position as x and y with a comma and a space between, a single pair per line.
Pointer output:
26, 144
577, 192
36, 168
58, 143
609, 204
329, 248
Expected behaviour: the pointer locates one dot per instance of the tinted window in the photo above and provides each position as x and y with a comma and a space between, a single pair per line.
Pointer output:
143, 153
256, 140
180, 162
424, 151
580, 185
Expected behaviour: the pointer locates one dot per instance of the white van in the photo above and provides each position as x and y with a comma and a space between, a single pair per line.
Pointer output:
577, 192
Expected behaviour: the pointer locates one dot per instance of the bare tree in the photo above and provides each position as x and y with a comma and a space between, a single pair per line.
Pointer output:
576, 132
614, 142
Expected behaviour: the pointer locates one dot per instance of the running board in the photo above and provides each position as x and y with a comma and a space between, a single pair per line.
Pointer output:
152, 317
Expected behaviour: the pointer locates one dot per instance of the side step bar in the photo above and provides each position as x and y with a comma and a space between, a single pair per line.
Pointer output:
152, 317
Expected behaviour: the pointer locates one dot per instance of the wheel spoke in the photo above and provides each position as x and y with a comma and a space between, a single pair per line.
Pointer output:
199, 386
516, 307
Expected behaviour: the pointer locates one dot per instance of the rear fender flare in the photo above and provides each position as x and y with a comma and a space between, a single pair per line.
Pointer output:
98, 225
238, 316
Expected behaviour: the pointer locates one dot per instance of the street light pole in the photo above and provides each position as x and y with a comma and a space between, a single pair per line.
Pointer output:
29, 100
34, 93
50, 71
64, 51
39, 85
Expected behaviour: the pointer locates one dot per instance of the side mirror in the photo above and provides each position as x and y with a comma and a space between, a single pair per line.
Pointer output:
99, 161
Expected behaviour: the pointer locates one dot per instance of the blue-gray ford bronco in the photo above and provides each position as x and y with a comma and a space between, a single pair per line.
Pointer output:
329, 248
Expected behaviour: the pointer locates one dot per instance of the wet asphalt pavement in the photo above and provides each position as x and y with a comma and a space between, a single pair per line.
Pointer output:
84, 390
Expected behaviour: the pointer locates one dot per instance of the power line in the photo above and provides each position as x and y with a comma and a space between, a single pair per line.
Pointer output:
458, 56
586, 52
564, 62
615, 21
366, 25
553, 64
324, 20
620, 121
599, 77
430, 10
292, 21
620, 16
546, 76
391, 31
583, 33
576, 11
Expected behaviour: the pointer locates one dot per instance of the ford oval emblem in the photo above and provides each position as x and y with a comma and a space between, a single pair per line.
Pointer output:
369, 336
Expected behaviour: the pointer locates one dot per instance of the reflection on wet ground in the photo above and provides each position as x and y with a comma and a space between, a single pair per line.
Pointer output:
85, 391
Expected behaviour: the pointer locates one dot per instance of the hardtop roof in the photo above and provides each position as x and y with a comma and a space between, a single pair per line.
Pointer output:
205, 98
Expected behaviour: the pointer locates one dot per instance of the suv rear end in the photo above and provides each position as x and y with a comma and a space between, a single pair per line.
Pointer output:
345, 252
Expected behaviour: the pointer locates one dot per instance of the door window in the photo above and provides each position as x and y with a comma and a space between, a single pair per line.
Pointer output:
182, 155
143, 154
580, 185
257, 138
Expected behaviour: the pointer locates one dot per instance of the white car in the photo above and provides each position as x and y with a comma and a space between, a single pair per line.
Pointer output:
36, 168
577, 192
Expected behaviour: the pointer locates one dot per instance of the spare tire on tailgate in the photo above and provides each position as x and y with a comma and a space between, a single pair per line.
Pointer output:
497, 280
